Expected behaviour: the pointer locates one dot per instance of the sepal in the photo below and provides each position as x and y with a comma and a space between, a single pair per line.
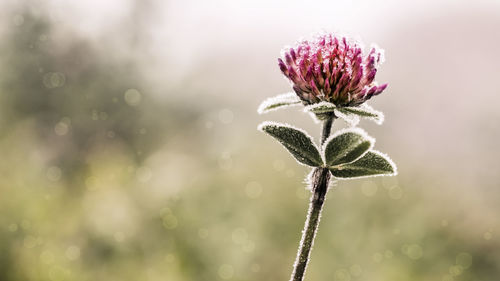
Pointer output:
350, 114
350, 119
364, 111
320, 108
279, 101
320, 111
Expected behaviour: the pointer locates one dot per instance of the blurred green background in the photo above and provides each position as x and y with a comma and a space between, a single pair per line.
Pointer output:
130, 152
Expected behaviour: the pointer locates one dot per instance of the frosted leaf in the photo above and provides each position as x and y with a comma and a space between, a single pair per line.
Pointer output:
372, 164
296, 141
347, 146
364, 111
320, 108
320, 111
279, 101
350, 119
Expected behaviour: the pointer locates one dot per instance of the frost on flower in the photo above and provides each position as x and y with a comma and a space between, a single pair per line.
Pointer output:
332, 69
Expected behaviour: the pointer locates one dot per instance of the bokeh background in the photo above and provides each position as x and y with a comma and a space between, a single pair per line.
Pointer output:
129, 148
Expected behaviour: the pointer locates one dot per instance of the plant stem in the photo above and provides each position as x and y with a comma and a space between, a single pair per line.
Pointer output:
320, 181
327, 127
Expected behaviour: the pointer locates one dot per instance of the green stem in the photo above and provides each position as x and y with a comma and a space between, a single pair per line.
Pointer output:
327, 128
320, 180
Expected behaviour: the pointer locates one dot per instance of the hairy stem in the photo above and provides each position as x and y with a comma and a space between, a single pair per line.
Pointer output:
320, 180
327, 127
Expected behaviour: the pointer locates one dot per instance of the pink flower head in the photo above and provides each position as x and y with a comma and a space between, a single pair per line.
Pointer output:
333, 69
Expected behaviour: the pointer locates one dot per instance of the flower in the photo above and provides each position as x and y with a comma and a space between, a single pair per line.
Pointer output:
332, 69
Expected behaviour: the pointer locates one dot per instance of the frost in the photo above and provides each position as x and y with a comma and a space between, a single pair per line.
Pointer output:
380, 52
364, 111
346, 146
320, 111
350, 119
296, 141
321, 107
279, 101
372, 164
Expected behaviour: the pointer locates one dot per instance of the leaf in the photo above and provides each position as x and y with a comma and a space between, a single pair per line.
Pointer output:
320, 111
351, 119
364, 110
372, 164
279, 101
297, 141
346, 146
320, 108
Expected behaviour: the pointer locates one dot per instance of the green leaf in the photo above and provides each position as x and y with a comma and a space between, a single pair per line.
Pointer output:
297, 141
346, 146
373, 163
363, 110
320, 111
351, 119
279, 101
320, 108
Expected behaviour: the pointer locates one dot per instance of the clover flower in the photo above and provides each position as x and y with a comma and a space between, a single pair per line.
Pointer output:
332, 69
333, 78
